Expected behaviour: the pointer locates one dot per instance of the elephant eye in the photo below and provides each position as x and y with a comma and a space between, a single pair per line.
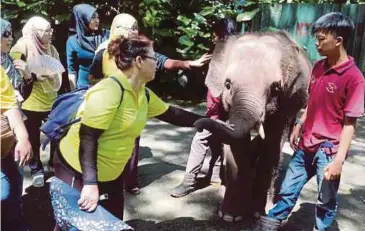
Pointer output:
227, 84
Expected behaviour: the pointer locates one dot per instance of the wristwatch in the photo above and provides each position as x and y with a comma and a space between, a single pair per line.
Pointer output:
298, 122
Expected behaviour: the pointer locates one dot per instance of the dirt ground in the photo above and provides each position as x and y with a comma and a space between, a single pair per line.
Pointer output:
164, 153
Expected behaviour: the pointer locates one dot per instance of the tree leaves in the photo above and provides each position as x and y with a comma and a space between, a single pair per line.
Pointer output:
247, 15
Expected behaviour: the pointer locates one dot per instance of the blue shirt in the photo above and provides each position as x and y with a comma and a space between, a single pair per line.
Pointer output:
79, 60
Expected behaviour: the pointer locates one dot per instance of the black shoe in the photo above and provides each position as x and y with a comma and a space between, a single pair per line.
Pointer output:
187, 186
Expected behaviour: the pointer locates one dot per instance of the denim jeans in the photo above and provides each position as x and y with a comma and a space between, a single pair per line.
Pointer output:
302, 168
11, 192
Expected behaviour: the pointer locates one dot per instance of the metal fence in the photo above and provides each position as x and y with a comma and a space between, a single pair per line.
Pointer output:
297, 19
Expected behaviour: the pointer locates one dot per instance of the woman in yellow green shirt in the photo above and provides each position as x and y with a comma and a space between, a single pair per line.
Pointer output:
93, 154
11, 174
35, 42
126, 25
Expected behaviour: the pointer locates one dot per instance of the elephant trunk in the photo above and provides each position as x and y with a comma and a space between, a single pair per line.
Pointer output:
245, 115
226, 134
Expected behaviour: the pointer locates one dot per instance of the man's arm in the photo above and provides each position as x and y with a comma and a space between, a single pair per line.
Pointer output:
172, 64
333, 170
71, 63
293, 140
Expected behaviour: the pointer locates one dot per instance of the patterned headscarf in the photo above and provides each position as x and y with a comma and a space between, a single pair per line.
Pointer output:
33, 32
15, 77
81, 17
30, 44
122, 25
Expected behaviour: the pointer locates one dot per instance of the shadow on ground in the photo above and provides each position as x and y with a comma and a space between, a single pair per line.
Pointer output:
163, 158
303, 219
184, 224
38, 208
159, 170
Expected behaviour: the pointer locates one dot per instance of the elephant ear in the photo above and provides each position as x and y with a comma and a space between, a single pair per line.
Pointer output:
214, 79
295, 65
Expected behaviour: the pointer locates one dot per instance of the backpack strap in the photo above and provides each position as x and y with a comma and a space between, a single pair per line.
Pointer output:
147, 95
121, 88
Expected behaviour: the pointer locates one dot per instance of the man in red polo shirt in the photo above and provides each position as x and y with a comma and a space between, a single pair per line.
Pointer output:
336, 100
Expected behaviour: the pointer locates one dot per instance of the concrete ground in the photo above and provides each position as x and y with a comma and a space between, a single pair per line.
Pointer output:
164, 153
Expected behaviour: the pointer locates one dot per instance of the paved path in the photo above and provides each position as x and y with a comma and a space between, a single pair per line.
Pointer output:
164, 153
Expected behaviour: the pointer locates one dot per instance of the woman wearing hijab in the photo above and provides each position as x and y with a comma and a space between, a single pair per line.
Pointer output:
123, 25
13, 73
34, 44
11, 158
126, 25
81, 46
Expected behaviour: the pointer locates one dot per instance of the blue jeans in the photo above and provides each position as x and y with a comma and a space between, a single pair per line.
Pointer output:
302, 168
11, 192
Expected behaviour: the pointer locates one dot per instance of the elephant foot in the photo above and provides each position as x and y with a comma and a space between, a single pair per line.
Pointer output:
229, 217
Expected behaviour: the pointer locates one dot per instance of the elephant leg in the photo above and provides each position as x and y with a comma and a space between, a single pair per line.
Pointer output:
238, 180
266, 173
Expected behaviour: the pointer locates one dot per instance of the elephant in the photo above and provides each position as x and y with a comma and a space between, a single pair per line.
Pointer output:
263, 80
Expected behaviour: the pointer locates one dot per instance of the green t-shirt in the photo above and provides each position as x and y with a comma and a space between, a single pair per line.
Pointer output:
122, 124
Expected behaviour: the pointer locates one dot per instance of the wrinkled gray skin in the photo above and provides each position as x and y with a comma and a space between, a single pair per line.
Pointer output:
263, 80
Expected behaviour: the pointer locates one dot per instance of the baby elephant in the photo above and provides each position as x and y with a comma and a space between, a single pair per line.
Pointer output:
263, 80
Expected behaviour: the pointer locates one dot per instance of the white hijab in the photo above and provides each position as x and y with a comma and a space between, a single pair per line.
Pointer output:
122, 25
33, 32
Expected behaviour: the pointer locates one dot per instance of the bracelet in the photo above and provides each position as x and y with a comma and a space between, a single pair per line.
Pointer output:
298, 122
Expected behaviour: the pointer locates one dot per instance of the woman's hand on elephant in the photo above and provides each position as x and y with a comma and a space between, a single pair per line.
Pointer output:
294, 136
210, 124
202, 124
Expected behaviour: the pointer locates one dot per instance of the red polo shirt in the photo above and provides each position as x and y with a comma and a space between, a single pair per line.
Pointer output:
333, 94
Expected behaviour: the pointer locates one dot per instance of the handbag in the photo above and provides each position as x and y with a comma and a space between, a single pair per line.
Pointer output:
7, 137
69, 217
26, 88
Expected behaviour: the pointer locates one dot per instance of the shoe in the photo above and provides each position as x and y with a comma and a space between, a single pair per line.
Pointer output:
134, 191
229, 217
214, 175
187, 186
38, 180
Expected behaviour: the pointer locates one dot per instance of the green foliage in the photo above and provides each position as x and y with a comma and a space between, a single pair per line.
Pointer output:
194, 27
189, 22
175, 25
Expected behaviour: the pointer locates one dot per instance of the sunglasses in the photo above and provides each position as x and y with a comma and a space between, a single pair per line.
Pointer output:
7, 34
133, 28
48, 31
149, 57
